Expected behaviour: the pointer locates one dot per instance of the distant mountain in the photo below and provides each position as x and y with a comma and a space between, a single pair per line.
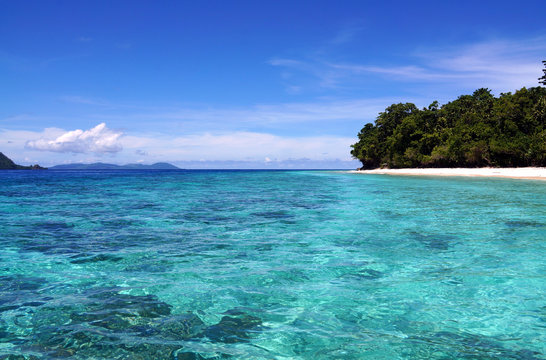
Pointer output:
7, 164
104, 166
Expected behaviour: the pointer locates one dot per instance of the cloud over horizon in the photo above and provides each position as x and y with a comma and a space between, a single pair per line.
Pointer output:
188, 150
99, 140
239, 145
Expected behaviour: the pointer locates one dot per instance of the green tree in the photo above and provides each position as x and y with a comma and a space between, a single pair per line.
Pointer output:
473, 130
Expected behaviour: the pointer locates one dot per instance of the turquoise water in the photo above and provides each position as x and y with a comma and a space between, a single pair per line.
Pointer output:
270, 265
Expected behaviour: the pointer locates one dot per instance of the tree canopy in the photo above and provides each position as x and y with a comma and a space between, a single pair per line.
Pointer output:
7, 164
472, 131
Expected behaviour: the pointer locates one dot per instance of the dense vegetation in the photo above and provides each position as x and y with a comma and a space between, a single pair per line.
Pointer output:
8, 164
473, 131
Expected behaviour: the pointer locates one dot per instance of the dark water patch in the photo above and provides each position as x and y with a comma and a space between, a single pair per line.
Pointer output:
53, 227
236, 326
218, 246
145, 330
436, 241
182, 327
120, 223
143, 205
109, 324
50, 238
150, 350
10, 283
188, 356
102, 326
83, 343
8, 308
12, 193
389, 214
84, 259
207, 217
50, 249
264, 247
13, 302
307, 206
48, 317
520, 224
34, 303
146, 351
288, 222
50, 230
113, 321
364, 274
280, 214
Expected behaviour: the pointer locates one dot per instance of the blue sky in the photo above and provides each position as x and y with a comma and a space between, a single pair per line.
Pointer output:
243, 83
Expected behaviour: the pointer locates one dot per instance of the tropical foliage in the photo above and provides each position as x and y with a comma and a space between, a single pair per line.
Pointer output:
472, 131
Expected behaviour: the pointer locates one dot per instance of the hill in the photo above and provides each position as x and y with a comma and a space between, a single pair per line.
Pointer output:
8, 164
104, 166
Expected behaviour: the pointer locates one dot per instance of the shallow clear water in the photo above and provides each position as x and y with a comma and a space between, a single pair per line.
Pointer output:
270, 265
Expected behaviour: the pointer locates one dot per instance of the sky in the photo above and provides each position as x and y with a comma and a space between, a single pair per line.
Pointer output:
243, 84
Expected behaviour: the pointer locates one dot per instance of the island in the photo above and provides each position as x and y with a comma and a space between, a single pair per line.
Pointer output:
473, 131
8, 164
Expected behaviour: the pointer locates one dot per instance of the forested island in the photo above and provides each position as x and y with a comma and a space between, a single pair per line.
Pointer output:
475, 130
8, 164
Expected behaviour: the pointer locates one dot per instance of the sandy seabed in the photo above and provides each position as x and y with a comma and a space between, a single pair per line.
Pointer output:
538, 173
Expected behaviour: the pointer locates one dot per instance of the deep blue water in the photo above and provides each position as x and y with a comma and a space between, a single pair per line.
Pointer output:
270, 265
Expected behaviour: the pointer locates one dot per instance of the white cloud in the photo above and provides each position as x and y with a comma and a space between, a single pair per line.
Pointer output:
239, 146
97, 140
503, 65
286, 117
230, 149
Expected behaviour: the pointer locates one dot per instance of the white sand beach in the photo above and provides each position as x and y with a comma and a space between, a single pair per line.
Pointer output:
538, 173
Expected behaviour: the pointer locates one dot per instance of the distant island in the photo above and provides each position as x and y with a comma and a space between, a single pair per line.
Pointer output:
104, 166
478, 130
8, 164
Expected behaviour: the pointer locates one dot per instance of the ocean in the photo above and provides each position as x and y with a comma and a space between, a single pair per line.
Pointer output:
270, 265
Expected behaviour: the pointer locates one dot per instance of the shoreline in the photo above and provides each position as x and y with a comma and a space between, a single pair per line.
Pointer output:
532, 173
